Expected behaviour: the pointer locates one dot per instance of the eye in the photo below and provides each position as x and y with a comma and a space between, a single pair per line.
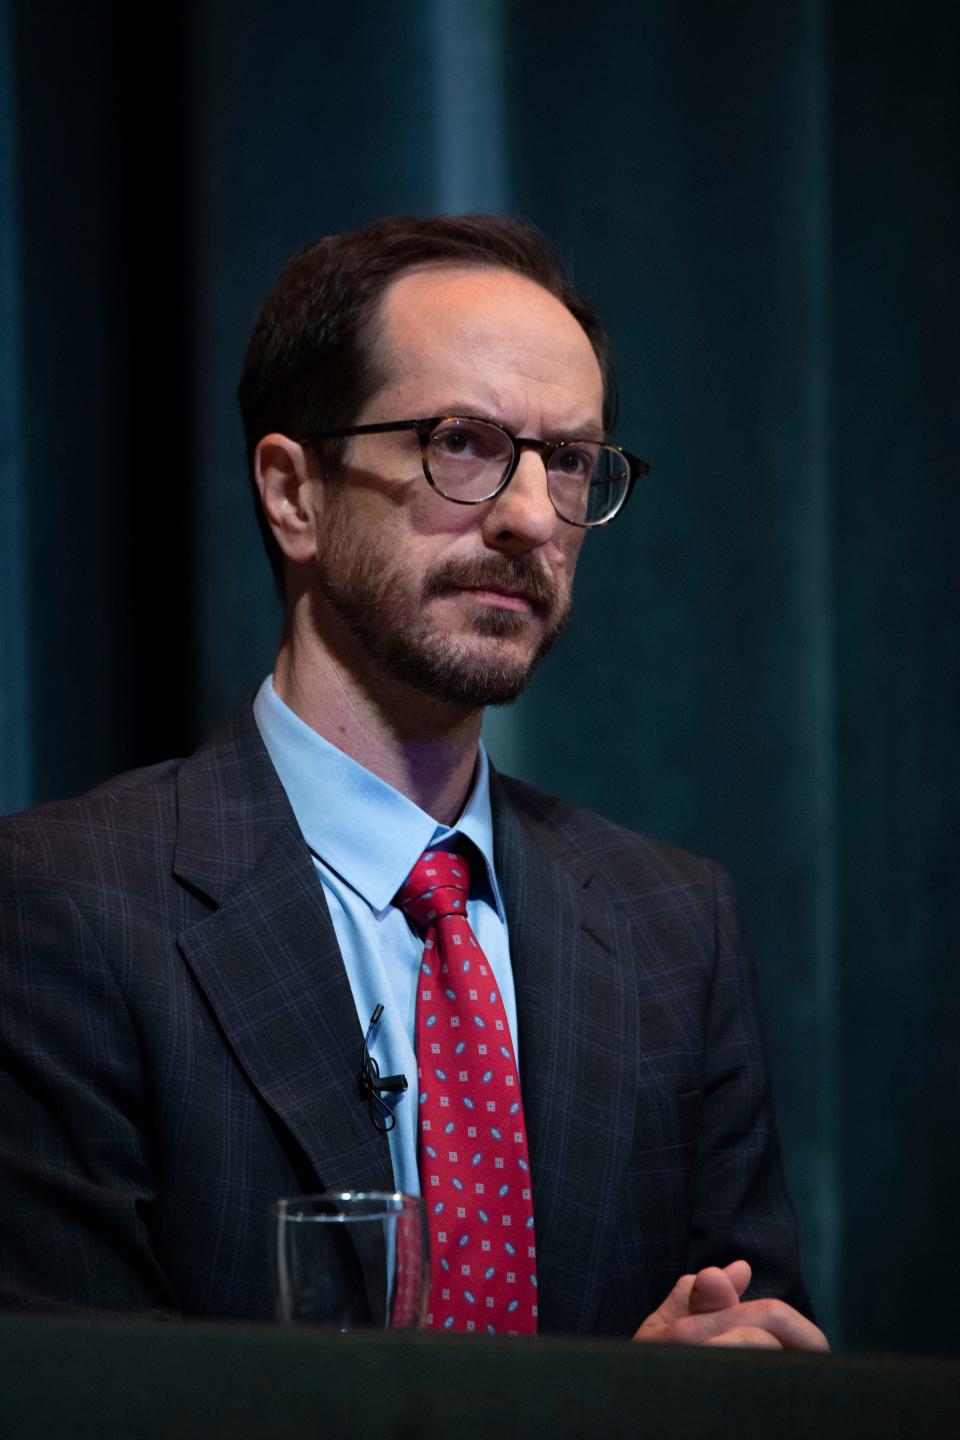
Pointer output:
466, 440
575, 462
452, 442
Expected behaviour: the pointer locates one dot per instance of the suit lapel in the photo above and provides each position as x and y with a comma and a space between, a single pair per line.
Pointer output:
577, 1016
267, 958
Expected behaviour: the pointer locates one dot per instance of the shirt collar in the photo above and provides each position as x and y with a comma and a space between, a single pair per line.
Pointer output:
357, 824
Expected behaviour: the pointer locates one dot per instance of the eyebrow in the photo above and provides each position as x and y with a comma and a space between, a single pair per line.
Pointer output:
587, 430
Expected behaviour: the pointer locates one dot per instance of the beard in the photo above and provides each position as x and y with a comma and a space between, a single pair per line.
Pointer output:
373, 595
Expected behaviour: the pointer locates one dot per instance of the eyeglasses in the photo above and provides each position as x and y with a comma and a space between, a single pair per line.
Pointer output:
469, 461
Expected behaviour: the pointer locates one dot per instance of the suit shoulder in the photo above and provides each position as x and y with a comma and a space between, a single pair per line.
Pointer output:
127, 814
590, 840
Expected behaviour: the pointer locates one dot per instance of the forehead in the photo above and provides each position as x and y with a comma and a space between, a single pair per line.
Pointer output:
442, 327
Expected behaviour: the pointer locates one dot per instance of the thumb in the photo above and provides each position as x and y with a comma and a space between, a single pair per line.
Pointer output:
716, 1289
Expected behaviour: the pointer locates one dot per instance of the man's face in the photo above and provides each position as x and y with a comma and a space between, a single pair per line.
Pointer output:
457, 602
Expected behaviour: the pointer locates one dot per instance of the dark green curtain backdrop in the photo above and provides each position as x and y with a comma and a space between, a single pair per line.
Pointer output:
762, 201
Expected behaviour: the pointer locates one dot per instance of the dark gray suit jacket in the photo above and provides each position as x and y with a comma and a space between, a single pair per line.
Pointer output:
179, 1046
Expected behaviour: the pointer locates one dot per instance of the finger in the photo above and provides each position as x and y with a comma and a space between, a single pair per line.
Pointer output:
739, 1273
749, 1336
717, 1289
673, 1308
713, 1289
793, 1330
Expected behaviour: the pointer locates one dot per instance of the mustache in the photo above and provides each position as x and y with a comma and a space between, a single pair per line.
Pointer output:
497, 572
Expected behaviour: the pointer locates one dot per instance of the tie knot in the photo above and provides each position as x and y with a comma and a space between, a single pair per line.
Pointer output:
438, 884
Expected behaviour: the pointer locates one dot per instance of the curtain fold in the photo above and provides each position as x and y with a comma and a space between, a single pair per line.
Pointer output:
16, 772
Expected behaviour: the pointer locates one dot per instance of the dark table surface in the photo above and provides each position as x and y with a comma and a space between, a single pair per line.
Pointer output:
146, 1379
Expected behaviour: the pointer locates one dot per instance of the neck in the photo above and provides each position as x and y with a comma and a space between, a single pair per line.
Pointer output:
424, 748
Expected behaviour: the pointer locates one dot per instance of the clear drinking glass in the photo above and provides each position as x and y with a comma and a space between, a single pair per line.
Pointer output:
350, 1258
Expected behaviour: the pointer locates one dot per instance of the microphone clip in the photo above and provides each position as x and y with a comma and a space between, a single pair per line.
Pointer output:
373, 1086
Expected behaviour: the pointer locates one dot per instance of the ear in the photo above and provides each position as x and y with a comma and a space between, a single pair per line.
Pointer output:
290, 493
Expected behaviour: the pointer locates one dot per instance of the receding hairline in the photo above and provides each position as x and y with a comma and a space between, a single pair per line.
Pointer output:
457, 266
375, 321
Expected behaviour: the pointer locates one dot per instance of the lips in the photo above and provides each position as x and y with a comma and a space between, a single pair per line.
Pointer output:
496, 595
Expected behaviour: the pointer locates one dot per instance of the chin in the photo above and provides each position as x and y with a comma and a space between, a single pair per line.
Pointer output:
472, 674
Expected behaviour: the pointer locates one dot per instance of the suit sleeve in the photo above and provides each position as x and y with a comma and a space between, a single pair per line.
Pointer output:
742, 1209
75, 1178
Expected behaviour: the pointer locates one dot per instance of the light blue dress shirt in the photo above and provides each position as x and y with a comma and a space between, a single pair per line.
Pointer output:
365, 838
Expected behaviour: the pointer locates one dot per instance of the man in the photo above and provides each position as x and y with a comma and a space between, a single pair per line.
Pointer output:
193, 953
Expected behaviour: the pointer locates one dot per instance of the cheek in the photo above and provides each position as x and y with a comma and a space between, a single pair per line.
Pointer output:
430, 516
571, 545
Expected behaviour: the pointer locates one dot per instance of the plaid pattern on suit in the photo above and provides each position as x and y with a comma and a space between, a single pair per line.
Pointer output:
179, 1046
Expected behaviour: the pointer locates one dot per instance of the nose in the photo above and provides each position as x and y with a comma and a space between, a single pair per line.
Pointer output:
522, 516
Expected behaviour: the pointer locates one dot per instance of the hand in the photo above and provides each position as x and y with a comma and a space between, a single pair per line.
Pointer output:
707, 1309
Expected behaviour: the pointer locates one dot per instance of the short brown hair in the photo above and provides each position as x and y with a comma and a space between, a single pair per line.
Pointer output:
311, 365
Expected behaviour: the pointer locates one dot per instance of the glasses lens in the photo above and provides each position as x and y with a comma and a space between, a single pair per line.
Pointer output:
467, 459
588, 482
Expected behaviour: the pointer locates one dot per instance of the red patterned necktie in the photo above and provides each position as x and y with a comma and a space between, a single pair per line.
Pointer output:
474, 1165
